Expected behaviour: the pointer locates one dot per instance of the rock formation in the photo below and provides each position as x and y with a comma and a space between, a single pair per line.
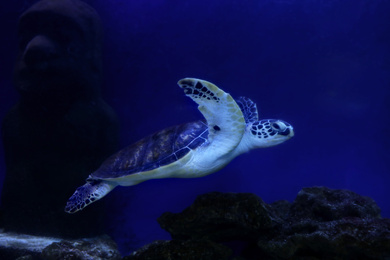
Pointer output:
61, 129
320, 224
28, 247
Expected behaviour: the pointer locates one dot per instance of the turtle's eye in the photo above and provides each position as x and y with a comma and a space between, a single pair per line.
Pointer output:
276, 126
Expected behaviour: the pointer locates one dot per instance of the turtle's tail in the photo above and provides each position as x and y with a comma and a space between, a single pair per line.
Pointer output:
90, 192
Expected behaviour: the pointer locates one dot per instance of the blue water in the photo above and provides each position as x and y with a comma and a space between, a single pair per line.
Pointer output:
322, 66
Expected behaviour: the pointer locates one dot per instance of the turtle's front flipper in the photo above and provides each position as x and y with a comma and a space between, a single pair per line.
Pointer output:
87, 194
224, 117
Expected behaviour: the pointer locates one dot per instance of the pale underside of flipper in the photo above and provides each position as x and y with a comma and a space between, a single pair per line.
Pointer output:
249, 109
224, 117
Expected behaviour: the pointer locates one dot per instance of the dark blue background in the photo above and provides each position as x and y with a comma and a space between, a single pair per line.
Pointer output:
323, 66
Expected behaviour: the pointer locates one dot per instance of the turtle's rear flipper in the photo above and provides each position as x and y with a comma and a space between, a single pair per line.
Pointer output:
87, 194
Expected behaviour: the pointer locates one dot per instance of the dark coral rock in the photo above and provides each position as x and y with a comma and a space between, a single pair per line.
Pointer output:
220, 217
26, 257
320, 224
281, 208
101, 248
180, 250
324, 204
330, 224
344, 239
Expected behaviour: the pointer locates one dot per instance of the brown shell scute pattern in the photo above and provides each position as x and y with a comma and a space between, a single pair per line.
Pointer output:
156, 150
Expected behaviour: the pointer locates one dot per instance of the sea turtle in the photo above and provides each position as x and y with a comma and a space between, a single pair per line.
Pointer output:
188, 150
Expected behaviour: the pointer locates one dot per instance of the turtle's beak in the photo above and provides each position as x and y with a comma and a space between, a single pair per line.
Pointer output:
288, 132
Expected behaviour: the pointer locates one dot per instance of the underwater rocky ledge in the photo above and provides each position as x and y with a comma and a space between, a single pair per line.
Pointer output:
321, 223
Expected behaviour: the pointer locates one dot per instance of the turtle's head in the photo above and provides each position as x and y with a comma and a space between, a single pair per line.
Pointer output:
268, 132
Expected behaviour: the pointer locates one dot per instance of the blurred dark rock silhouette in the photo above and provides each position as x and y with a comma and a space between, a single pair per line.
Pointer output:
320, 224
61, 129
182, 249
